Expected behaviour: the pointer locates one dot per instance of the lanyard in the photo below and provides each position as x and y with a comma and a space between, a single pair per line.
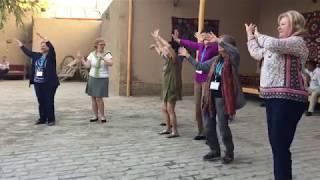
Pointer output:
203, 54
219, 68
40, 62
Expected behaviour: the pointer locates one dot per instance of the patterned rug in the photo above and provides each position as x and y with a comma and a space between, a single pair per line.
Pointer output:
313, 39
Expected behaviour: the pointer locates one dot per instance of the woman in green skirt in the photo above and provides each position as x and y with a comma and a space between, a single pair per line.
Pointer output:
171, 83
97, 87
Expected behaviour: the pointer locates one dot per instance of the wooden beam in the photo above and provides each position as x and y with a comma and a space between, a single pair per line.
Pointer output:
202, 6
129, 60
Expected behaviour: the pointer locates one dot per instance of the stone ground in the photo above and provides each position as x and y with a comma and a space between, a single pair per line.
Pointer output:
128, 146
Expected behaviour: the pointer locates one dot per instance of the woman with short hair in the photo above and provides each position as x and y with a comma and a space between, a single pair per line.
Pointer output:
44, 78
99, 62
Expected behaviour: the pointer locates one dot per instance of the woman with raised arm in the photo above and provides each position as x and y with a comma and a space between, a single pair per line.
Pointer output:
281, 84
222, 95
171, 83
207, 49
44, 78
99, 62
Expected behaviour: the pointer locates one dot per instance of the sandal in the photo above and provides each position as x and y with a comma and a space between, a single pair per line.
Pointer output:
164, 132
103, 120
173, 136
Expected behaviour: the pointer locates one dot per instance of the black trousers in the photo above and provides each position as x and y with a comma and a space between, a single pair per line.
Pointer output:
282, 119
3, 72
45, 95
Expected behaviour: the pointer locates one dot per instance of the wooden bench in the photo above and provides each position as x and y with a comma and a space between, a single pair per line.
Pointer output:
17, 71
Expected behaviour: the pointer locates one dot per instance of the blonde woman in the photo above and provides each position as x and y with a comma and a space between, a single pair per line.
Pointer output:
98, 61
171, 83
281, 84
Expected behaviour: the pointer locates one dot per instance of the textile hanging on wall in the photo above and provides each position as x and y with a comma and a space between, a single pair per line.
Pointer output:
187, 27
313, 38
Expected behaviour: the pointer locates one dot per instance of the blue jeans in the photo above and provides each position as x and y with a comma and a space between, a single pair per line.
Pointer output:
282, 119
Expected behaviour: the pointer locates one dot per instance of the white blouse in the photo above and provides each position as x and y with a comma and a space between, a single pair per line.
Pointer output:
93, 59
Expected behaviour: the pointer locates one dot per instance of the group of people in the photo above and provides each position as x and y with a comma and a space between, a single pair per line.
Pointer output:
45, 80
218, 92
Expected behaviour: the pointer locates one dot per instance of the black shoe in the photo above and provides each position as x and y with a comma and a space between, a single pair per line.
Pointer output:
199, 137
308, 113
94, 120
211, 156
52, 123
163, 124
40, 122
103, 121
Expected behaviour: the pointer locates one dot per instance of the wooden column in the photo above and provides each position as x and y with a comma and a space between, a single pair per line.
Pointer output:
202, 5
129, 60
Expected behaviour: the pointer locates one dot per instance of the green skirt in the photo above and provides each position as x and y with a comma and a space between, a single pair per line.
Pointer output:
98, 87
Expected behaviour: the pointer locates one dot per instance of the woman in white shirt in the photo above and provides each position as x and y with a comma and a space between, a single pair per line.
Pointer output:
4, 66
98, 61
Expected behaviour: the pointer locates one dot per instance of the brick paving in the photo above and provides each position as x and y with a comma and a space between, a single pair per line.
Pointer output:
128, 146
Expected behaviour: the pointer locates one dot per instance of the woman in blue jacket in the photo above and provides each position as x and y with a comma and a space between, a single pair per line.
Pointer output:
44, 78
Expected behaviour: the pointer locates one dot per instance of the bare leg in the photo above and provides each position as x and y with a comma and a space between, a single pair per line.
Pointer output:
100, 103
166, 115
173, 118
94, 106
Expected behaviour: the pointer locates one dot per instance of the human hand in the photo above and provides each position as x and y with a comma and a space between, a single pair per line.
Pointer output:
155, 34
183, 52
199, 36
250, 29
19, 42
212, 37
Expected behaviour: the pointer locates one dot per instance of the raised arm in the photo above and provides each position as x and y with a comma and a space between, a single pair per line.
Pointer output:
25, 50
205, 66
292, 45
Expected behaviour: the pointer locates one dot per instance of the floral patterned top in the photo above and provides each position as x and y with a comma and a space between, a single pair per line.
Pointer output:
283, 61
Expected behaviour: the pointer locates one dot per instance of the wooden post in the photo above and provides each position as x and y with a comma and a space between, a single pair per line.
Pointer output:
202, 5
129, 60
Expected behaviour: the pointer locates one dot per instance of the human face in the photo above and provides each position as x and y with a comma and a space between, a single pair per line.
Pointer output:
100, 46
43, 47
284, 28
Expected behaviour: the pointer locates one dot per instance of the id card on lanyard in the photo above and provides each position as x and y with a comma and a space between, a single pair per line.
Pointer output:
40, 64
201, 59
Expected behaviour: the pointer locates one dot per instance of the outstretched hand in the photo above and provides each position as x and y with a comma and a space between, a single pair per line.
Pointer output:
41, 37
19, 42
155, 34
250, 29
183, 52
212, 37
199, 36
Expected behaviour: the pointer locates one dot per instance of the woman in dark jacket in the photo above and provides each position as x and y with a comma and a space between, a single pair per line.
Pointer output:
44, 78
222, 94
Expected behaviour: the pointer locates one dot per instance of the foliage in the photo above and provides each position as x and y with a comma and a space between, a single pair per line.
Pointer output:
18, 8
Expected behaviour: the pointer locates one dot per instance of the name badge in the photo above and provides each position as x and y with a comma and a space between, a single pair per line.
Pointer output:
214, 85
198, 72
39, 73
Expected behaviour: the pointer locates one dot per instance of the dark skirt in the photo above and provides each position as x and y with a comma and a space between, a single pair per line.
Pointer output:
98, 87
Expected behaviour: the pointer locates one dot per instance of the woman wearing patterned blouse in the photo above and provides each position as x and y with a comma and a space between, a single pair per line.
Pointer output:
281, 84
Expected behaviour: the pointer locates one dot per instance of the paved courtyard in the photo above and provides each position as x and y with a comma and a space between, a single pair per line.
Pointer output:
128, 146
